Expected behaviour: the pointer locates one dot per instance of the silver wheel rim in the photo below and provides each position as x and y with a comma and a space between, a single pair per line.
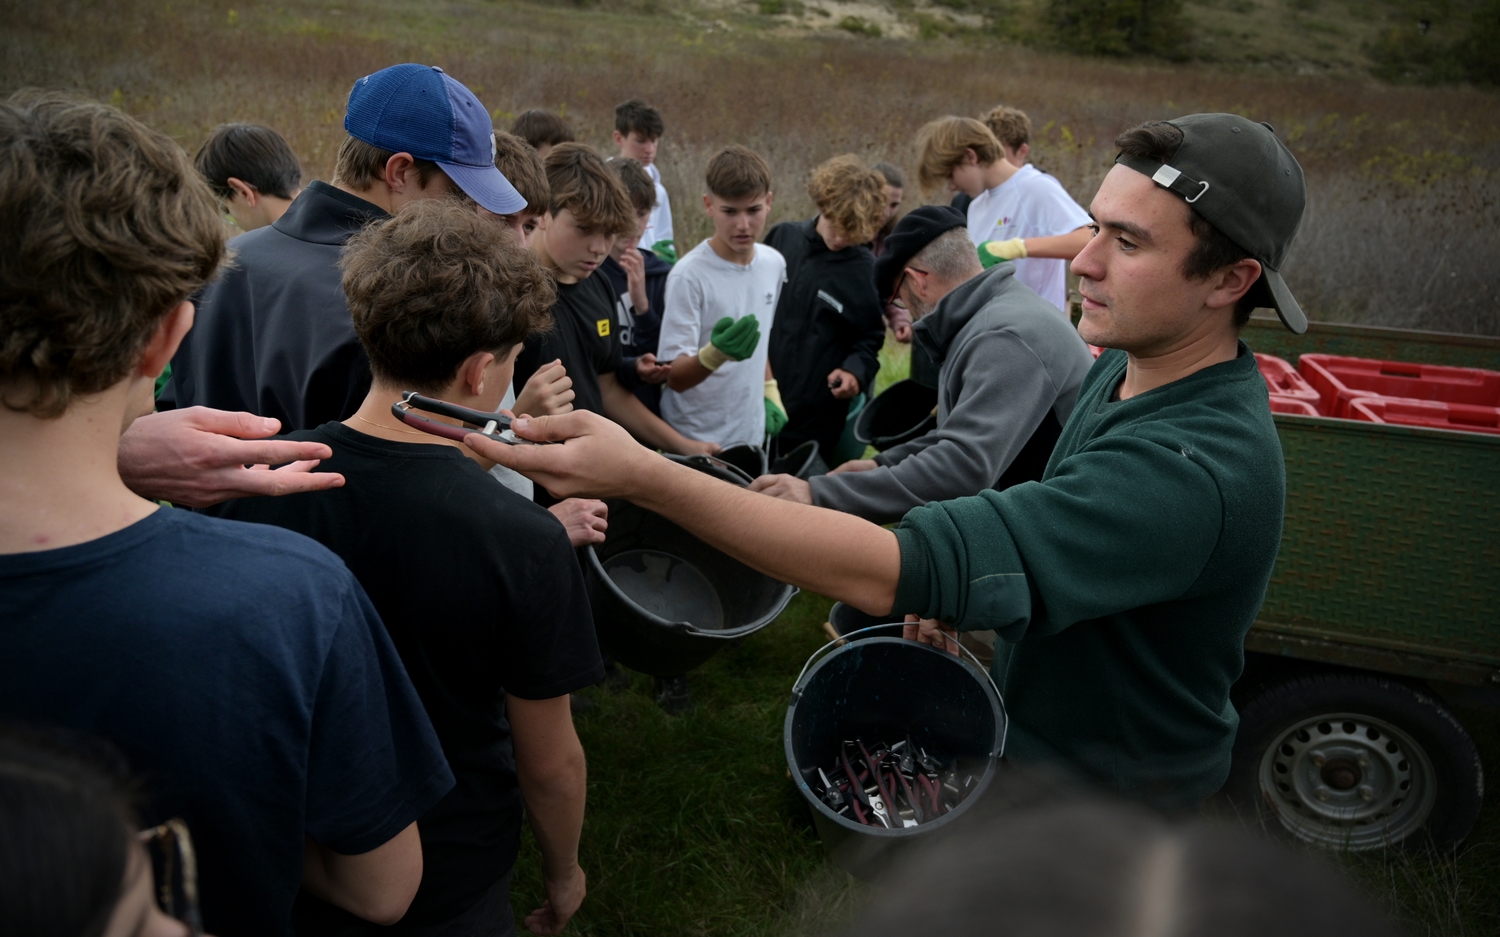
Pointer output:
1348, 781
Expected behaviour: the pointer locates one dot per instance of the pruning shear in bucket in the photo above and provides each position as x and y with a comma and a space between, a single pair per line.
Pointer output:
496, 426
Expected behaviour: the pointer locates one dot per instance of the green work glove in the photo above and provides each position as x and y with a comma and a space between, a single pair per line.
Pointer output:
666, 250
993, 252
775, 409
731, 340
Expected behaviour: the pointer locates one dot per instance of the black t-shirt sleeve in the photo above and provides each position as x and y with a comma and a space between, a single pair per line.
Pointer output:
374, 764
551, 629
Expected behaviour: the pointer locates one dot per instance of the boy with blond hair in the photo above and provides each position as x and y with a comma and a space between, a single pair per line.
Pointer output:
720, 308
829, 327
589, 209
1017, 214
638, 130
1012, 128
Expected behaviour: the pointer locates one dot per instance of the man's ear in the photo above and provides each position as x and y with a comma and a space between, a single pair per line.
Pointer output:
163, 344
471, 372
708, 205
619, 138
1232, 282
1023, 151
770, 197
971, 158
244, 190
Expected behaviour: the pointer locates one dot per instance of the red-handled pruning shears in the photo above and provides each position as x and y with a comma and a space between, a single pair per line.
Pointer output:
495, 426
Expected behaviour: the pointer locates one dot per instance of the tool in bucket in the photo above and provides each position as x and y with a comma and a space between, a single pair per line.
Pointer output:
895, 785
496, 426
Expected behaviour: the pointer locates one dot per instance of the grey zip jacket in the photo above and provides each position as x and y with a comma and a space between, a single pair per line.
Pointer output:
1009, 377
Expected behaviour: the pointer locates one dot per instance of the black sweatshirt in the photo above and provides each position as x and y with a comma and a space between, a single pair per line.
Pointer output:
829, 316
272, 334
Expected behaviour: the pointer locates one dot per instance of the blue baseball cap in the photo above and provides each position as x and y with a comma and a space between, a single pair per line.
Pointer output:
418, 109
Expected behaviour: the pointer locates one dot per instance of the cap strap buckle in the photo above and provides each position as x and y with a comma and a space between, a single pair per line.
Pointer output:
1168, 177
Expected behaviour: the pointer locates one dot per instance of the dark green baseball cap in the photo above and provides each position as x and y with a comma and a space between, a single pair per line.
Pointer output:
1242, 180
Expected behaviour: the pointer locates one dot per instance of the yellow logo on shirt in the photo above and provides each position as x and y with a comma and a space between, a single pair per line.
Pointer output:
603, 326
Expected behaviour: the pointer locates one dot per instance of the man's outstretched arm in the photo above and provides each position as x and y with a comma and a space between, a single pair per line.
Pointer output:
837, 555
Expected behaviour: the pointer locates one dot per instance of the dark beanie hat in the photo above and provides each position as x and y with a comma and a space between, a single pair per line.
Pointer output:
912, 233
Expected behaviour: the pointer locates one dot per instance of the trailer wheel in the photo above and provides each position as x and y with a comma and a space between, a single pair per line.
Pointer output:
1356, 761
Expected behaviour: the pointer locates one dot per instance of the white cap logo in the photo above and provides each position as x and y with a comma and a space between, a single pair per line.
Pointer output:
494, 147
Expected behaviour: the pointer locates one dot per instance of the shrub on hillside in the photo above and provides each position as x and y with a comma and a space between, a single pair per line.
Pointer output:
1411, 53
1120, 27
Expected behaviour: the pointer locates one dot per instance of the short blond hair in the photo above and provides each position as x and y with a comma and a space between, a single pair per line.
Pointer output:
942, 144
850, 195
1010, 125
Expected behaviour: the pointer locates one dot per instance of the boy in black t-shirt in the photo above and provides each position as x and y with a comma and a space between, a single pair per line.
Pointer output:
239, 668
589, 210
478, 587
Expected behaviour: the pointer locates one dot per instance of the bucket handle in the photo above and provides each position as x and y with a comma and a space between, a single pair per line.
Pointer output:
845, 637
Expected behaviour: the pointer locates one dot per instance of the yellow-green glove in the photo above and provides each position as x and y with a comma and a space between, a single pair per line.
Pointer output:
775, 409
666, 250
992, 252
731, 340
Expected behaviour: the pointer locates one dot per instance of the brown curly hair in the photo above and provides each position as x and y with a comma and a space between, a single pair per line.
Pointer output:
435, 284
851, 195
105, 226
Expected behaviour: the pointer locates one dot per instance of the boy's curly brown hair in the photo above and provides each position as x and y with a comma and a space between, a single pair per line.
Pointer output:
105, 226
851, 195
436, 283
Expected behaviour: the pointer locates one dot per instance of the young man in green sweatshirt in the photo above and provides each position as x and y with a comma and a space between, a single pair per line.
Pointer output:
1123, 583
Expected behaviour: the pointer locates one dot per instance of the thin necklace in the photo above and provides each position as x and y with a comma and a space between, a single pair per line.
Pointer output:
408, 432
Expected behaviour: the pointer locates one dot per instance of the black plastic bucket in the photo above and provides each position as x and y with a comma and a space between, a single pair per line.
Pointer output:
665, 601
715, 466
900, 414
883, 688
747, 458
803, 462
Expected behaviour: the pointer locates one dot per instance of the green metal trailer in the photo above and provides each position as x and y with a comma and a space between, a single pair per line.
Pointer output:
1383, 610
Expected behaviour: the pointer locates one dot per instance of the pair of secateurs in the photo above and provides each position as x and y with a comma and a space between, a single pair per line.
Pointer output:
495, 426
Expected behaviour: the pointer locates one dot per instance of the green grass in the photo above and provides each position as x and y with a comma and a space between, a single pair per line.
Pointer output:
694, 828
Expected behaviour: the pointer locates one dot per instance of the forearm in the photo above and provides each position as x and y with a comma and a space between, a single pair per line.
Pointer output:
626, 409
833, 554
687, 372
554, 792
1060, 247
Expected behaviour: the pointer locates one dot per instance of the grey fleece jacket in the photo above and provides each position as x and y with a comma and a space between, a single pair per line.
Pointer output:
1006, 358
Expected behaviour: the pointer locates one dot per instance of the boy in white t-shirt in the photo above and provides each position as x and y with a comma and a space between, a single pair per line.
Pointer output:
638, 130
1019, 214
720, 306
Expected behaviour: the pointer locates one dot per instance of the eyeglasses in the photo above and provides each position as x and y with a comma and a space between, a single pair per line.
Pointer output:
175, 865
901, 278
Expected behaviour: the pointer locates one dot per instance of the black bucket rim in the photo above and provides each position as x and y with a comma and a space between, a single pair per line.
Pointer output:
687, 627
810, 669
862, 423
742, 478
811, 445
764, 459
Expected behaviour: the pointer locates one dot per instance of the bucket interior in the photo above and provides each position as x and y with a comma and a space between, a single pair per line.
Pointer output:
903, 408
665, 575
748, 459
886, 689
803, 462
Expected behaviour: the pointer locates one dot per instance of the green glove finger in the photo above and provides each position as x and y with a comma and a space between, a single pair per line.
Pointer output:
738, 339
666, 250
775, 418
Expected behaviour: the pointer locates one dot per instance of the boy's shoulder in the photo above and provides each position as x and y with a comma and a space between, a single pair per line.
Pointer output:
770, 257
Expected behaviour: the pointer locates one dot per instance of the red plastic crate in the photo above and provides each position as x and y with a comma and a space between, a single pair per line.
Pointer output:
1280, 404
1408, 412
1338, 380
1282, 380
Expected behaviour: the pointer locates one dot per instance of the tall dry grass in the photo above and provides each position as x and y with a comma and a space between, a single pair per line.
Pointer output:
1403, 182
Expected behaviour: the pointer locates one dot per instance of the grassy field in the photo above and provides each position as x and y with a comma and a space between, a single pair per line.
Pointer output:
1403, 181
693, 827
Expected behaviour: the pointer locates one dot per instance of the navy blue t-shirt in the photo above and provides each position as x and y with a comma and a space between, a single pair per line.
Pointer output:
247, 679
